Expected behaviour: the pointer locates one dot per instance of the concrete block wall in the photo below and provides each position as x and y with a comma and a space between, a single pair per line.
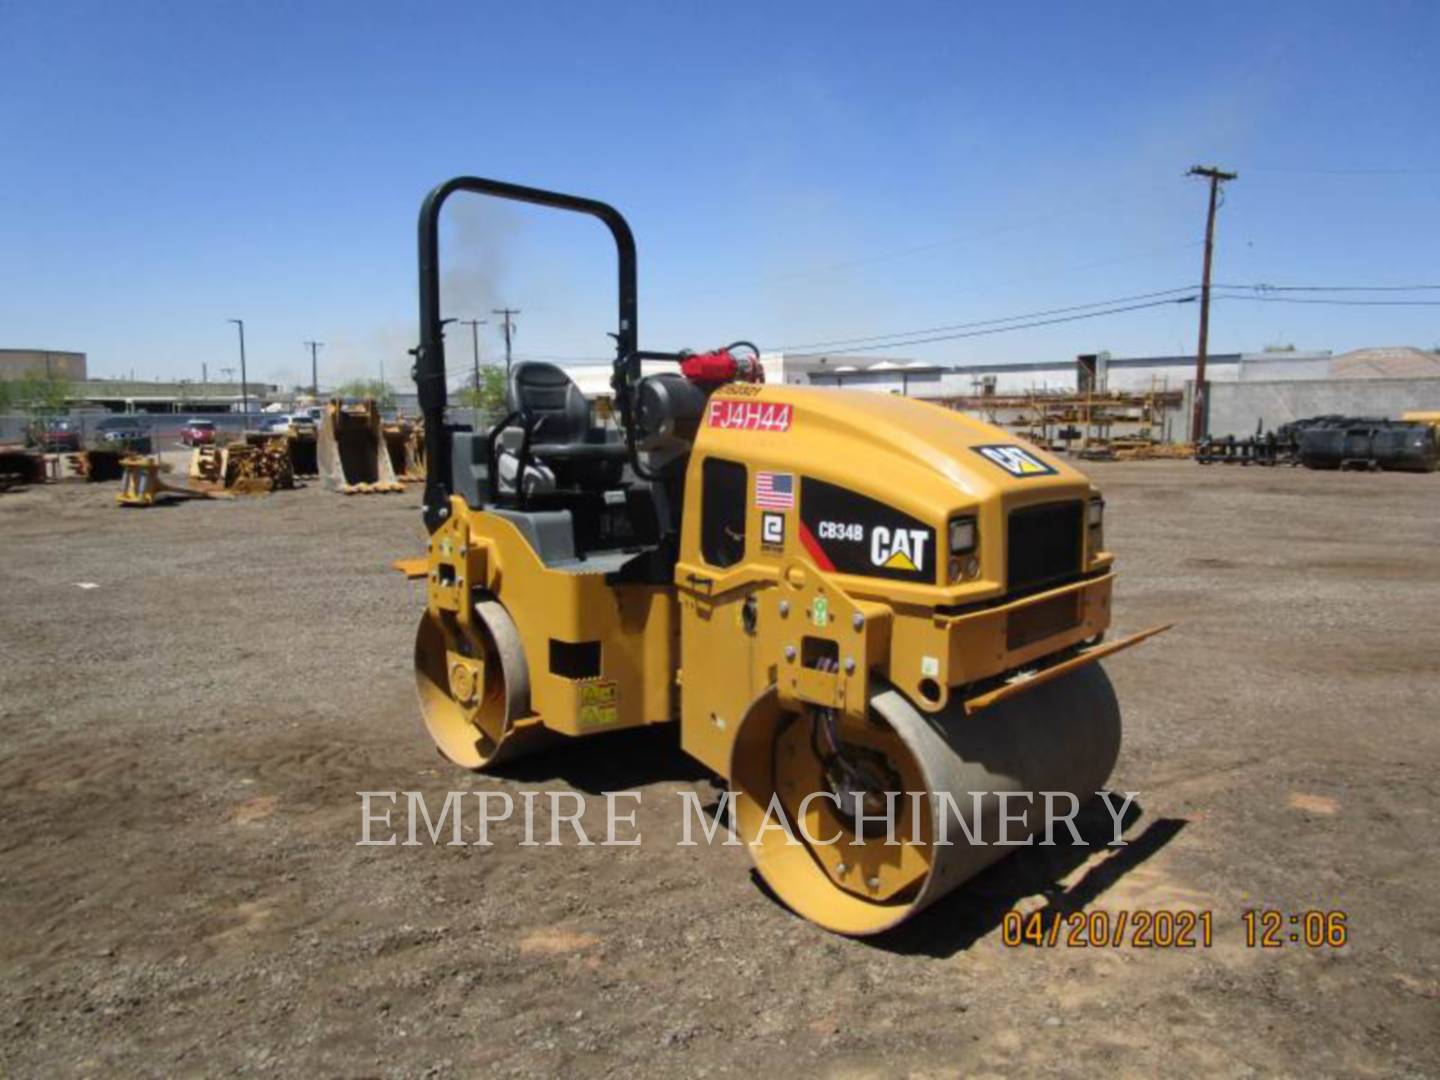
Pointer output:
1236, 406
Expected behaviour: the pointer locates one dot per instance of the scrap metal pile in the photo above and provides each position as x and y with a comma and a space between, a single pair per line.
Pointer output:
254, 466
1267, 449
1332, 442
299, 440
20, 466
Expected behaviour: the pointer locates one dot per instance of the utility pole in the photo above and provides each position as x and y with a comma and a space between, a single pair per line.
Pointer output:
475, 325
244, 389
509, 331
314, 370
1197, 413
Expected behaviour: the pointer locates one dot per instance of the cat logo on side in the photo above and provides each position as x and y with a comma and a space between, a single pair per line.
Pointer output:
1015, 460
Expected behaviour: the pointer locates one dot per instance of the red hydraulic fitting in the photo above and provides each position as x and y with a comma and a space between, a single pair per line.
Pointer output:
721, 366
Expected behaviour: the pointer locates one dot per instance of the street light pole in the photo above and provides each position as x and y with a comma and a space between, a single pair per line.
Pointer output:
314, 370
244, 389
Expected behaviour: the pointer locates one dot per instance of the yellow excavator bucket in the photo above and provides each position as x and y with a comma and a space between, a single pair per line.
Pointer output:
353, 458
404, 442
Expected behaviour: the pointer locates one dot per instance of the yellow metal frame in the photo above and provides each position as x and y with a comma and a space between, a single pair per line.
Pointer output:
634, 624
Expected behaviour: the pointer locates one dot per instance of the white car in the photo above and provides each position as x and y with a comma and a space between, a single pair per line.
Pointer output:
282, 424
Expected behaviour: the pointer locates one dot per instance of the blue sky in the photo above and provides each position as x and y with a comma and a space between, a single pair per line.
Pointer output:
794, 172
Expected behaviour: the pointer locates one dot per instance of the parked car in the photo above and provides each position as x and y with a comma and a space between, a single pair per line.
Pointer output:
128, 432
281, 425
198, 432
56, 435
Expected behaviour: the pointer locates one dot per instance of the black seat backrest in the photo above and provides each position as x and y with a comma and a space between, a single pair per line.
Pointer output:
540, 391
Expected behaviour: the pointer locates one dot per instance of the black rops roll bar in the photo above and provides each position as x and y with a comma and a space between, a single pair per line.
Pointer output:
430, 355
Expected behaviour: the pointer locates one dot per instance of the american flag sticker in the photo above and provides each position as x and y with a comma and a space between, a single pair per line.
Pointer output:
775, 490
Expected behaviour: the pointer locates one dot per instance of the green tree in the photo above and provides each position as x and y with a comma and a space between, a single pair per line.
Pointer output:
38, 395
361, 389
489, 397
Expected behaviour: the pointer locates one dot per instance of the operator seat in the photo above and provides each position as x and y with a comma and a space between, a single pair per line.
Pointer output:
566, 450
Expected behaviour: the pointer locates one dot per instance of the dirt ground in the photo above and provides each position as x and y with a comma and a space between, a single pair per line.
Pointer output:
191, 697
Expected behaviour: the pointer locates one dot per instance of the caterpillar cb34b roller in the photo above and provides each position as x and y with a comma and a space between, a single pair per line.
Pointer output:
857, 606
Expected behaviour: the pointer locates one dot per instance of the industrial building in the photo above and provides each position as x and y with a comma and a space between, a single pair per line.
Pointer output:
183, 396
132, 395
1097, 371
1248, 391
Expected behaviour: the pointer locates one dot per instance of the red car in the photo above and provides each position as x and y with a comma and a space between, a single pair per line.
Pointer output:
57, 436
198, 433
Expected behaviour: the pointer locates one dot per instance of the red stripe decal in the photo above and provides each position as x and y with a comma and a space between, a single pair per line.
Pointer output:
813, 547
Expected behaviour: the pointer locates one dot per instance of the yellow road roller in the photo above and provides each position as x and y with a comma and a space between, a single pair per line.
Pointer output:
869, 615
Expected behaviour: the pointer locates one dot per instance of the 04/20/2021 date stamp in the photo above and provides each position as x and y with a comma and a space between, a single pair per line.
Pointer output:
1165, 929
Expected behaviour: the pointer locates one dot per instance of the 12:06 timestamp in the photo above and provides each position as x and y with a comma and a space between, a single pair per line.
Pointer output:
1269, 929
1265, 928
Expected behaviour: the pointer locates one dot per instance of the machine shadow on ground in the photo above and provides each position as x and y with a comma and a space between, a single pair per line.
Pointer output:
640, 756
973, 911
617, 761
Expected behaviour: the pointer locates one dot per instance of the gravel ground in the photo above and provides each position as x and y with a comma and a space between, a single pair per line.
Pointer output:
192, 696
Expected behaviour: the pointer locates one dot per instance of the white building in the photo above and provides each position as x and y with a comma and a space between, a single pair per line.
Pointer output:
1102, 371
1135, 374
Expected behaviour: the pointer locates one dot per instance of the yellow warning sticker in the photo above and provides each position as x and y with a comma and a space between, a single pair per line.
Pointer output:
598, 704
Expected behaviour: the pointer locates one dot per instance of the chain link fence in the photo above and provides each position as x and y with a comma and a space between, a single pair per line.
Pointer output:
163, 429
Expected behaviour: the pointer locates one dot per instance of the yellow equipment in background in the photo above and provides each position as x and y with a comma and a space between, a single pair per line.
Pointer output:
353, 458
257, 465
404, 442
300, 443
1423, 416
840, 596
141, 485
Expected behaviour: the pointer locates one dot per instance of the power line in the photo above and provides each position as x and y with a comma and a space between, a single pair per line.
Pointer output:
846, 342
1022, 326
1349, 172
1335, 301
1264, 287
904, 337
